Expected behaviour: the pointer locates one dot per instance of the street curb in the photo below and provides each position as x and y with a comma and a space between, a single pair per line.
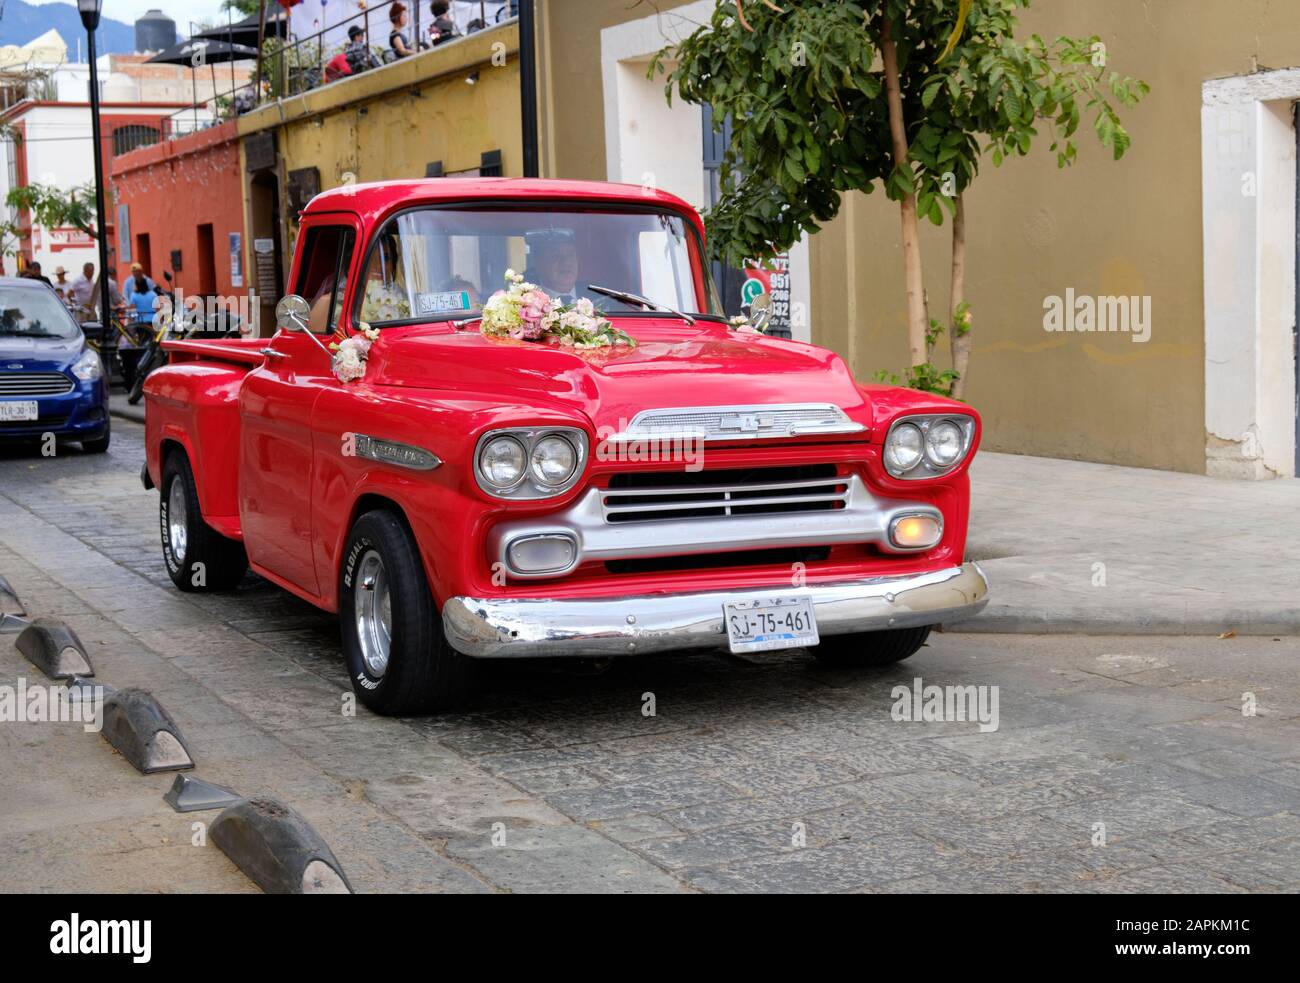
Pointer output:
120, 408
1006, 620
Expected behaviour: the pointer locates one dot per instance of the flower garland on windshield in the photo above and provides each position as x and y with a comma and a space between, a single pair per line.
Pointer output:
526, 312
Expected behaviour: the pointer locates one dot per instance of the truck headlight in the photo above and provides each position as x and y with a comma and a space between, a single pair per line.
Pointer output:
554, 460
530, 462
87, 368
904, 448
928, 446
501, 462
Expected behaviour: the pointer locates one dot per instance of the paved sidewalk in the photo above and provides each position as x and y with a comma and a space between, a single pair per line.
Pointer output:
1074, 547
120, 408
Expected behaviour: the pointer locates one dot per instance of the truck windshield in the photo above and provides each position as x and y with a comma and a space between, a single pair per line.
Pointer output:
439, 264
34, 312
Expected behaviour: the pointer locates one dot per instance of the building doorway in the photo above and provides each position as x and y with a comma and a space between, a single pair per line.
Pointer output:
207, 260
264, 230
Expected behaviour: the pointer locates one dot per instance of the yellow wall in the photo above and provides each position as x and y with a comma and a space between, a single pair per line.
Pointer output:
390, 123
1101, 227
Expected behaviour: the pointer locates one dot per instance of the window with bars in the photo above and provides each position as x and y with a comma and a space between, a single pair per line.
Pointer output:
132, 137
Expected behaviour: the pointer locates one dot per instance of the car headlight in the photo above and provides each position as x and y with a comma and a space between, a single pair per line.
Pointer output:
501, 462
944, 444
928, 446
554, 460
530, 462
87, 368
904, 448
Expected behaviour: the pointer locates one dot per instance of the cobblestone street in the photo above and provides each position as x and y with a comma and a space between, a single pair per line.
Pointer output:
765, 773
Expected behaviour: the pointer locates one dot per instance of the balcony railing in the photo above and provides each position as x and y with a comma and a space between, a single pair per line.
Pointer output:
287, 68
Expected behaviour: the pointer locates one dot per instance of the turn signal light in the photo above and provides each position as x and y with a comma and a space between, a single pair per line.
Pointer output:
915, 532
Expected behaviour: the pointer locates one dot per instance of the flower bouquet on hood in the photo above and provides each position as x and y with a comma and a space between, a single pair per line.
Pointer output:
525, 312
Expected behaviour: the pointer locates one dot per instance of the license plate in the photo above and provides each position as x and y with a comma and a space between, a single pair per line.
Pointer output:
25, 409
769, 623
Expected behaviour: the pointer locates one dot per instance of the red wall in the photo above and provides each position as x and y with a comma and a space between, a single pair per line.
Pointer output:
175, 187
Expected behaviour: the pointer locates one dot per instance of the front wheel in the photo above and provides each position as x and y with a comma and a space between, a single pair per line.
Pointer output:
871, 648
397, 656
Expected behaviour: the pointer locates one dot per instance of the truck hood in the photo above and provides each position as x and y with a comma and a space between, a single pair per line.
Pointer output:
672, 366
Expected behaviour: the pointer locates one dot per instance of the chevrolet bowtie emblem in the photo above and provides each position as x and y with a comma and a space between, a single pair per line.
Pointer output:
746, 422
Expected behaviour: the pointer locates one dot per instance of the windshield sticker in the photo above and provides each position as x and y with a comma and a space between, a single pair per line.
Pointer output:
440, 303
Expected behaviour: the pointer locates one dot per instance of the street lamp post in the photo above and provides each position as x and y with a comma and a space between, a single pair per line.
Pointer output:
89, 10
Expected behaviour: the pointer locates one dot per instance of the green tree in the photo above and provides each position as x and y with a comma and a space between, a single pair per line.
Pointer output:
53, 207
834, 96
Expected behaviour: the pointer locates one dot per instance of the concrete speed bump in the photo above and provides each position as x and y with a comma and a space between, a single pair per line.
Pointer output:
144, 733
11, 624
9, 602
278, 849
12, 612
190, 794
54, 649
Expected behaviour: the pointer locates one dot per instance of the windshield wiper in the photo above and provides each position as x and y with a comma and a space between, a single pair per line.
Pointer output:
645, 302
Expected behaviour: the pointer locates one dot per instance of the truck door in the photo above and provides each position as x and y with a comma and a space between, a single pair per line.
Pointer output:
276, 406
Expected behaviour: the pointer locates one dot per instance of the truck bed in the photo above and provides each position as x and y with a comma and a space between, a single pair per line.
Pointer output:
240, 351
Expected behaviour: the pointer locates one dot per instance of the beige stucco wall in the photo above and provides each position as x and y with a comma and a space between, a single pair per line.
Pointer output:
1100, 227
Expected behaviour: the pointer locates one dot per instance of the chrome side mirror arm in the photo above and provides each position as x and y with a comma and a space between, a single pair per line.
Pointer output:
291, 315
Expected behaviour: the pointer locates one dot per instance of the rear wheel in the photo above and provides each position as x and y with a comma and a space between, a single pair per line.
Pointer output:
198, 557
397, 655
871, 648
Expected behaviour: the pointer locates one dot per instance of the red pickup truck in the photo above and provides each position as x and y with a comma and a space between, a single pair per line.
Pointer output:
507, 418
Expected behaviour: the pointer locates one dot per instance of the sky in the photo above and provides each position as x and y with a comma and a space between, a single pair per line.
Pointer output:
181, 11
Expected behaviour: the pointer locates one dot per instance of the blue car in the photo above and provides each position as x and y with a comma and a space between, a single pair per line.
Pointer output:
50, 381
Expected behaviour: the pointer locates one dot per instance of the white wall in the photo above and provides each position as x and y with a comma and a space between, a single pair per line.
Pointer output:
60, 151
1248, 173
649, 142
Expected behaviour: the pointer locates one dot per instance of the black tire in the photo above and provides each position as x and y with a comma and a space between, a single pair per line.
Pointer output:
100, 444
203, 560
422, 672
143, 368
871, 648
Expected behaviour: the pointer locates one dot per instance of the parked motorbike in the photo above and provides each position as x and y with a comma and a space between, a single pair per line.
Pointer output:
171, 324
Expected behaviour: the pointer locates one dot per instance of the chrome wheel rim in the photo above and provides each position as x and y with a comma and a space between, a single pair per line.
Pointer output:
374, 613
176, 514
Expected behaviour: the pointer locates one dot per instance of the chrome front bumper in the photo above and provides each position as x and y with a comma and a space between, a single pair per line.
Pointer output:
502, 628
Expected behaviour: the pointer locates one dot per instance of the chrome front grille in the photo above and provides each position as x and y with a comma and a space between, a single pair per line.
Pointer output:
740, 422
30, 384
723, 494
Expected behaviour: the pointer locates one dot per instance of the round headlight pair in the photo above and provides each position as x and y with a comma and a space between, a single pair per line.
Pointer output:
504, 461
939, 443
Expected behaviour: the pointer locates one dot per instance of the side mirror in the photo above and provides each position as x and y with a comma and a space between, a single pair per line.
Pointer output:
291, 313
760, 311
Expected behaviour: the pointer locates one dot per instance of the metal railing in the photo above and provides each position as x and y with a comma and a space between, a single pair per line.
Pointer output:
292, 67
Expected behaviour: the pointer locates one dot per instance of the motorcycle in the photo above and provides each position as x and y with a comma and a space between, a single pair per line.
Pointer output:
170, 324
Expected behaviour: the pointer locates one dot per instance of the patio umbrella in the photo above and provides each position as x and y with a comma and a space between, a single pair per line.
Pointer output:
214, 52
246, 31
203, 51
